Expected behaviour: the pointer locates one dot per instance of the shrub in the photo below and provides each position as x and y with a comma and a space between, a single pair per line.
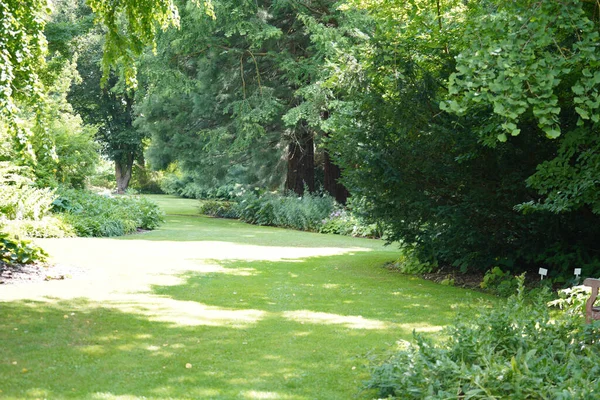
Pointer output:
220, 209
19, 199
17, 251
91, 214
257, 210
303, 213
104, 176
343, 222
146, 181
47, 227
186, 187
24, 209
517, 351
499, 282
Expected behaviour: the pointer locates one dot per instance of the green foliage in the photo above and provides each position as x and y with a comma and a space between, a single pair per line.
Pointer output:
23, 47
410, 263
103, 176
186, 186
130, 27
57, 147
533, 67
17, 251
218, 208
572, 300
91, 214
25, 202
343, 222
232, 100
146, 181
517, 350
500, 282
303, 213
535, 53
25, 209
423, 173
49, 226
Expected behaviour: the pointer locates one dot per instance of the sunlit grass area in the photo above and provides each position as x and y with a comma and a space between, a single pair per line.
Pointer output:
214, 309
203, 228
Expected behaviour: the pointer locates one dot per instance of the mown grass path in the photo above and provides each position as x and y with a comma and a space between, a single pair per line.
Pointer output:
212, 309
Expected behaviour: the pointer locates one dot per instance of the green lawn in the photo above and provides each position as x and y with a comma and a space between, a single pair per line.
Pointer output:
213, 309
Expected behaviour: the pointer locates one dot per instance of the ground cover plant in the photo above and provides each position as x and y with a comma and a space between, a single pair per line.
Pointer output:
92, 214
520, 350
18, 251
213, 308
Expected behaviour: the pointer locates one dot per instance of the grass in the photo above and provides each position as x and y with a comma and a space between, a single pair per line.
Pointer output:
213, 309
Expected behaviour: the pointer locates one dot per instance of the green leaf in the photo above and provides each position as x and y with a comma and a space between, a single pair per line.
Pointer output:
582, 113
553, 133
578, 90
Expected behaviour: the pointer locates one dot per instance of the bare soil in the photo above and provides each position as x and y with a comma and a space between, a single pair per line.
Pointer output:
37, 272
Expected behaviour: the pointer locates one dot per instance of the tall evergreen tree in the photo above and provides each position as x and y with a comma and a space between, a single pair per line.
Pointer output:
223, 88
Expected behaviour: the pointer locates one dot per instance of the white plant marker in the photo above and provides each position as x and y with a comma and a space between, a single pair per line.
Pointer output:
543, 272
577, 272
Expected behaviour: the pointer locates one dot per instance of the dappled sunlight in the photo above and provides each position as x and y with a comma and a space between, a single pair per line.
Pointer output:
254, 394
186, 313
37, 393
421, 327
330, 286
114, 267
352, 322
168, 319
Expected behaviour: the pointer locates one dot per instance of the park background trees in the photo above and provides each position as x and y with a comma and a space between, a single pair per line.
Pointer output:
465, 130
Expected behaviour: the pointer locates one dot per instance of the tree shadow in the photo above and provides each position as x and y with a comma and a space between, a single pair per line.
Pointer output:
78, 349
292, 329
318, 287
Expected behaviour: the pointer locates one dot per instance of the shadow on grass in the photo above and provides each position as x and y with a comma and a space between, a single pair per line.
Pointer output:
82, 350
312, 325
353, 292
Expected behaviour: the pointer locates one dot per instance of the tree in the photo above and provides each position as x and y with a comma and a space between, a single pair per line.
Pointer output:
238, 77
423, 172
130, 27
110, 109
541, 77
50, 140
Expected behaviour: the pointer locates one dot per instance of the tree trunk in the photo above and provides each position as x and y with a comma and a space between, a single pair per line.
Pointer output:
301, 163
332, 174
123, 170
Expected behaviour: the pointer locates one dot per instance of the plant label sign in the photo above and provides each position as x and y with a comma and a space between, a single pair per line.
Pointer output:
543, 272
577, 272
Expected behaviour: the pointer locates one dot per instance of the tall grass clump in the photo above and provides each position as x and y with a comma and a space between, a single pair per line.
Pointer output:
303, 213
92, 214
519, 350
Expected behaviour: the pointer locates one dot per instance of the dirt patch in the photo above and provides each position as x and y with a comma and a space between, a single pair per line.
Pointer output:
449, 276
468, 280
31, 273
